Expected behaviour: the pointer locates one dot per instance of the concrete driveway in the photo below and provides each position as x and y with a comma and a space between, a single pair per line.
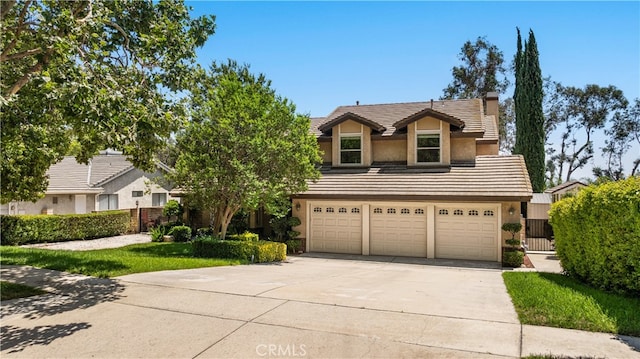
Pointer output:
307, 307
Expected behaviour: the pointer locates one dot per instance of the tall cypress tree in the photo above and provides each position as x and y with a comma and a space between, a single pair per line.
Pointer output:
528, 97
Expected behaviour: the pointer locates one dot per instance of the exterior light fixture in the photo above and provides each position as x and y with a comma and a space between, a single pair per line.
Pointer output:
298, 206
511, 211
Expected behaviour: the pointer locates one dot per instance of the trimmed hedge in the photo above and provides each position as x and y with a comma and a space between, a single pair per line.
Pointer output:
246, 236
597, 235
181, 233
16, 230
255, 251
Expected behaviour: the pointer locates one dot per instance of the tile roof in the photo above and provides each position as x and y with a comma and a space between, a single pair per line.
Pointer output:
490, 129
69, 176
541, 198
386, 115
492, 178
563, 186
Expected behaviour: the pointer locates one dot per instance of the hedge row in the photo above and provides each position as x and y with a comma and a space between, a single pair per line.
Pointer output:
254, 251
597, 235
16, 230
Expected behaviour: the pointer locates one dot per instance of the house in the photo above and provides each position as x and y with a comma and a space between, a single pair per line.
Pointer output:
108, 182
569, 187
419, 179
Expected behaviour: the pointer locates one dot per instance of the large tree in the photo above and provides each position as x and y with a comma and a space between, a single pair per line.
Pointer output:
530, 120
482, 71
244, 146
622, 134
580, 112
99, 73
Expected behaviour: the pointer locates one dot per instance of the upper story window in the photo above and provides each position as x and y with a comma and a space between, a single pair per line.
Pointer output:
351, 150
428, 148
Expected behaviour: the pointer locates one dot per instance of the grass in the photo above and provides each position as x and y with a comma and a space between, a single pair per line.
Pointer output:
10, 290
555, 300
106, 263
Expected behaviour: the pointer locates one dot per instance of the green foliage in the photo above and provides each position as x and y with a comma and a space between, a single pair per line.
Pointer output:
483, 64
293, 245
281, 226
555, 300
512, 258
254, 251
530, 120
597, 235
204, 231
244, 148
17, 230
158, 233
246, 236
138, 258
173, 208
512, 228
10, 290
181, 233
102, 74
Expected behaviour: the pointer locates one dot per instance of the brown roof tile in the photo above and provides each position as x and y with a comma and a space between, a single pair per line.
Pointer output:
492, 178
469, 111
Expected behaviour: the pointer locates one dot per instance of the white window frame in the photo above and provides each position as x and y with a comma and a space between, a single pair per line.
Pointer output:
429, 132
358, 135
157, 194
109, 197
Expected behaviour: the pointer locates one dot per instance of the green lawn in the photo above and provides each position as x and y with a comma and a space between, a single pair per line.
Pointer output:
105, 263
555, 300
10, 290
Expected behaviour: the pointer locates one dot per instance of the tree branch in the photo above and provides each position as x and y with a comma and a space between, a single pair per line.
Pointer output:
20, 55
19, 28
6, 7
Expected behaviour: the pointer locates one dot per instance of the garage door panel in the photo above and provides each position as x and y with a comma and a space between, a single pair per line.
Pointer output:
336, 228
398, 230
466, 231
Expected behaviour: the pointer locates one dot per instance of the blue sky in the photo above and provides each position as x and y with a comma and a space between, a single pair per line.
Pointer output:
321, 55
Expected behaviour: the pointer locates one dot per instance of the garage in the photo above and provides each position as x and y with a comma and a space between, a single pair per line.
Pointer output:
398, 230
336, 228
467, 231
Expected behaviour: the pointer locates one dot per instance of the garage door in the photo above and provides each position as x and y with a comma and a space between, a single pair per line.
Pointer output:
336, 228
467, 232
398, 230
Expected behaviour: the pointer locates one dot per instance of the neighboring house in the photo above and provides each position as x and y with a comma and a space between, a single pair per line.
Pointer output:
108, 182
420, 179
569, 187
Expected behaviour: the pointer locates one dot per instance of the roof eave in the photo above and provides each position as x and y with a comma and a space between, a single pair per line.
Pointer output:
429, 112
351, 116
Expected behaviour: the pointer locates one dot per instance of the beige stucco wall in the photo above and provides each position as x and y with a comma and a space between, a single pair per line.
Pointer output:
485, 149
351, 127
463, 149
325, 147
66, 205
389, 150
538, 210
302, 216
429, 123
134, 180
508, 218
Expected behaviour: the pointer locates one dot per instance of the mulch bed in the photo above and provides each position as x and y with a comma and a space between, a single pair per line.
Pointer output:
527, 262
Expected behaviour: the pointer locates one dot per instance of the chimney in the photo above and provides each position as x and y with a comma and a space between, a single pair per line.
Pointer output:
432, 104
357, 103
491, 104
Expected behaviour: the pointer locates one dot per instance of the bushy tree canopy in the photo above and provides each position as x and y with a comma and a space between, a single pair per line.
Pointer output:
244, 147
98, 72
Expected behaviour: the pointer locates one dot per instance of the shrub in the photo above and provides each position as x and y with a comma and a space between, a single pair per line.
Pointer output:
204, 231
256, 251
512, 228
293, 245
512, 258
158, 233
246, 236
181, 233
16, 230
173, 208
282, 228
597, 235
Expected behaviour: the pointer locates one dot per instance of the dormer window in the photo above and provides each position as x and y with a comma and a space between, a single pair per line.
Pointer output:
428, 147
351, 149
